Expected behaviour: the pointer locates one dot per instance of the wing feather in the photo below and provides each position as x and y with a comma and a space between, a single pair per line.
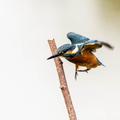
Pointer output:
76, 38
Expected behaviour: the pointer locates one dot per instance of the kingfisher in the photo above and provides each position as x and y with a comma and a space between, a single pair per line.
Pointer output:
80, 52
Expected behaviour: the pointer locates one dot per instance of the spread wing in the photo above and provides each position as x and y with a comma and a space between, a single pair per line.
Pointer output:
76, 38
95, 44
85, 43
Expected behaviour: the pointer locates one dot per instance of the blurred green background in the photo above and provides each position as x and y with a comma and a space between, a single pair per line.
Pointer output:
29, 86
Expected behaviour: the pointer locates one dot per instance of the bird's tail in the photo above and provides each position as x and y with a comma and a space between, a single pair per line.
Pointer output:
100, 63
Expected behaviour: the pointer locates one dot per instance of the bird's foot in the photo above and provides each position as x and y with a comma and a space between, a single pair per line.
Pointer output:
76, 74
86, 70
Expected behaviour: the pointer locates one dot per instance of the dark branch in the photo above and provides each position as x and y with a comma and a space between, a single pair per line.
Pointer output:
63, 82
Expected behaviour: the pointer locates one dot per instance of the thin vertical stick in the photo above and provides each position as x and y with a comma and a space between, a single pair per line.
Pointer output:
63, 82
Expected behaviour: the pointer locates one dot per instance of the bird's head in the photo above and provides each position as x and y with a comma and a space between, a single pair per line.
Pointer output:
66, 50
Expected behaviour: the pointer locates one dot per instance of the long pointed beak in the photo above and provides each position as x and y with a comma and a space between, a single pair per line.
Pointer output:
53, 56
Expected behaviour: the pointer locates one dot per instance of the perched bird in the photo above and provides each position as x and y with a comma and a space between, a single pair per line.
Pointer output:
80, 52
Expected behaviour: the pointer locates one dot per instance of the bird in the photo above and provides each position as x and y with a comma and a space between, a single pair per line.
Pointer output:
80, 52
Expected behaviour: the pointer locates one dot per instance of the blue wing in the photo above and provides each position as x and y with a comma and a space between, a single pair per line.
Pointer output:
76, 38
95, 44
92, 44
84, 43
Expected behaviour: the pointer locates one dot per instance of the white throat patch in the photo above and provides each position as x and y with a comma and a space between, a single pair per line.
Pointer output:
75, 50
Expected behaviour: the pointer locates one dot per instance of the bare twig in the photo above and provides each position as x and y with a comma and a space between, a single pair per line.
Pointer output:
63, 82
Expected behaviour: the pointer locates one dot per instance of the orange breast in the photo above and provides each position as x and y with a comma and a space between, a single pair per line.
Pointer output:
87, 59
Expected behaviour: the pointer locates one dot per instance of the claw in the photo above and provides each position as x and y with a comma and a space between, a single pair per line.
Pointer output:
76, 74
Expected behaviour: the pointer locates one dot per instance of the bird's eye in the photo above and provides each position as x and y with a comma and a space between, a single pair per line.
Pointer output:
61, 52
